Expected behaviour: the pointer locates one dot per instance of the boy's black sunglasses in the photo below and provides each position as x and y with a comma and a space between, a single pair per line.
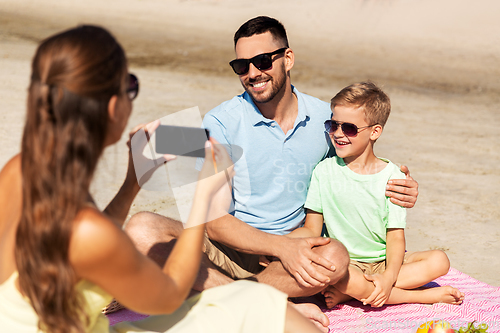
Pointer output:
261, 62
133, 86
347, 128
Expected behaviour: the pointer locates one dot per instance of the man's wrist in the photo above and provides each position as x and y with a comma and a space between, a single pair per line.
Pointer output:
277, 245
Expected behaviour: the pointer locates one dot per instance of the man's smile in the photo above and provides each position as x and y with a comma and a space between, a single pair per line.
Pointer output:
257, 86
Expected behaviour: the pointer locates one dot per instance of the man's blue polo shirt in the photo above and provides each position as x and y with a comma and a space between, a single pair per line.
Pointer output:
273, 174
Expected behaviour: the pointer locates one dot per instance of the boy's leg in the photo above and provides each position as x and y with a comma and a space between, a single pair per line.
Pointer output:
353, 285
334, 297
420, 268
356, 286
446, 294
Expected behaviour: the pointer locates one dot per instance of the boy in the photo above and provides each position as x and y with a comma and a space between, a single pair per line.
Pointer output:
347, 192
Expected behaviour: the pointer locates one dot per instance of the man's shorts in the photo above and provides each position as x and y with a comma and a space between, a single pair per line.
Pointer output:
235, 264
370, 268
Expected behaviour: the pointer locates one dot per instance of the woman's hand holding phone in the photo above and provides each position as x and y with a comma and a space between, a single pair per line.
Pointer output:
217, 170
138, 158
210, 182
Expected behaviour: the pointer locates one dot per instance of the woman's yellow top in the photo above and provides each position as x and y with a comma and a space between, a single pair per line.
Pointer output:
17, 314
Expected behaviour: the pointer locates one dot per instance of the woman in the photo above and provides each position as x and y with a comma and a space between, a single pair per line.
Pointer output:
61, 259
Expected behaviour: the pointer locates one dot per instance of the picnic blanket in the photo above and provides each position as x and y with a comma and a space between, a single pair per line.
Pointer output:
482, 304
124, 315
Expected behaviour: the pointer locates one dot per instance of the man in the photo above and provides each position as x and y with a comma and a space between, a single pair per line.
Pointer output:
282, 135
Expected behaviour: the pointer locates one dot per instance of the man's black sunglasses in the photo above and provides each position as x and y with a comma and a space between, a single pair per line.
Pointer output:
261, 62
133, 86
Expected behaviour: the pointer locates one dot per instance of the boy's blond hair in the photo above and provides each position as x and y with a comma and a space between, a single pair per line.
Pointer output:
377, 105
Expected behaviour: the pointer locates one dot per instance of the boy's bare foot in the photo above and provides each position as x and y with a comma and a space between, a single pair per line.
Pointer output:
313, 312
448, 294
334, 297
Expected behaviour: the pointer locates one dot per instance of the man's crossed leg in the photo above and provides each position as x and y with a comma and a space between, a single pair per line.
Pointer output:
154, 235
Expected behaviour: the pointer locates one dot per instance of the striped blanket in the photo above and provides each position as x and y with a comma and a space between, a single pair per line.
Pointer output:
482, 304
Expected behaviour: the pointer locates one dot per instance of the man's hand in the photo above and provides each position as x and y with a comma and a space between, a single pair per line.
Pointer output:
297, 257
382, 291
403, 192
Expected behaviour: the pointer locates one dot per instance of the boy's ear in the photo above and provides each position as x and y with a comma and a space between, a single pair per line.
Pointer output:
112, 108
376, 132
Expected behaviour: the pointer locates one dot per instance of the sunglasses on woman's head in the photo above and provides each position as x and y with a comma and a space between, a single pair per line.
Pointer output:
261, 62
133, 86
347, 128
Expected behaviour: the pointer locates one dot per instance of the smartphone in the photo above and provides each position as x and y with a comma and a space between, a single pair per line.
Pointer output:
182, 141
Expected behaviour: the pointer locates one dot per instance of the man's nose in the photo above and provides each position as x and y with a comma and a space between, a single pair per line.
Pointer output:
253, 71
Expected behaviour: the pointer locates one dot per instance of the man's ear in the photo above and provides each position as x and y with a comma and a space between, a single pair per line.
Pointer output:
289, 59
376, 132
112, 108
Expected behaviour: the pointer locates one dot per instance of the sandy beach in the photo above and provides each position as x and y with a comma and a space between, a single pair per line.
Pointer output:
439, 61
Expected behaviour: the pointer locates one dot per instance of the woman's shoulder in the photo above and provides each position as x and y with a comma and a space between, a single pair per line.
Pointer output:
11, 191
11, 170
10, 213
95, 239
100, 251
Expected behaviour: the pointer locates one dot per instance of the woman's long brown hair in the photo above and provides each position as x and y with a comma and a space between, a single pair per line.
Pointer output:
74, 75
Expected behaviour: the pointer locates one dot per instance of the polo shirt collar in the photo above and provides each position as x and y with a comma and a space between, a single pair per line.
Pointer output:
257, 117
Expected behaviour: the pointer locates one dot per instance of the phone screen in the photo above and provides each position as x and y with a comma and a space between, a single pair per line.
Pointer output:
183, 141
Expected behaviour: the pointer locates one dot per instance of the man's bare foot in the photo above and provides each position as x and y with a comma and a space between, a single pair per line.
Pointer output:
448, 294
334, 297
313, 312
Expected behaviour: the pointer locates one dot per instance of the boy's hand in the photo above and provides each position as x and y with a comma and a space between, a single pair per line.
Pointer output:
382, 291
403, 192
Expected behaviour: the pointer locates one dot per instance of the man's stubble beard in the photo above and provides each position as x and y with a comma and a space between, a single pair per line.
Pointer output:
277, 84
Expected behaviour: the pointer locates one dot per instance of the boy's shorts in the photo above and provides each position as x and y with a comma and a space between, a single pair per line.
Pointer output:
374, 267
237, 265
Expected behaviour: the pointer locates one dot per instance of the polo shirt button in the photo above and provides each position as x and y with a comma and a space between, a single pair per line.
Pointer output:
272, 125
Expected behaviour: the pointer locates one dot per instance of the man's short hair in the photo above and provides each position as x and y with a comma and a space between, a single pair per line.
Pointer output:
262, 24
377, 105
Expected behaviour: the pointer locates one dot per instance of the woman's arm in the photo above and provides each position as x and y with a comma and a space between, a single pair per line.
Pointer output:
119, 206
113, 263
101, 253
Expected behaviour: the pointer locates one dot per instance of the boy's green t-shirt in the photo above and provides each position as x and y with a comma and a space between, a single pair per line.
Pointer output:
355, 209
